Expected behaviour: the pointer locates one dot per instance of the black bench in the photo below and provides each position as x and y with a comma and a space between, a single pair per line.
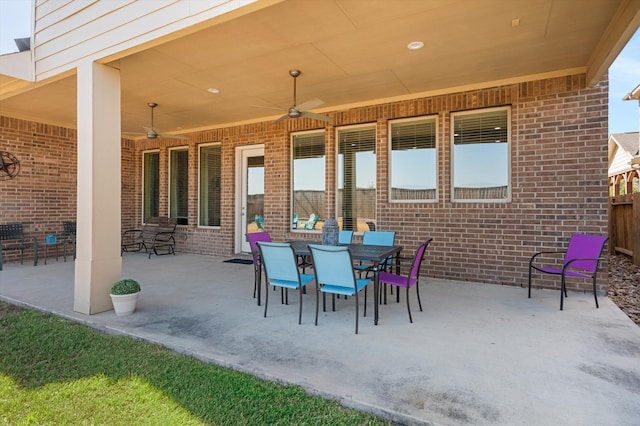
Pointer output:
155, 237
12, 238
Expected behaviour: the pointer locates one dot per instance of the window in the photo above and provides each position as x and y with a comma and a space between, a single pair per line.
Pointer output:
480, 158
151, 184
412, 161
356, 177
179, 184
308, 180
209, 185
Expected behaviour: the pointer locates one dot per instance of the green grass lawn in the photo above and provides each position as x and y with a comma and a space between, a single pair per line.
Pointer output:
54, 371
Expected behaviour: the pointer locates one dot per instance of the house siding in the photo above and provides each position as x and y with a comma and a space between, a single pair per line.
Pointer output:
67, 33
558, 180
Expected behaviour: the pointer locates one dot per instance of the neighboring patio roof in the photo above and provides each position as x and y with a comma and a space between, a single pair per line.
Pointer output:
350, 53
622, 148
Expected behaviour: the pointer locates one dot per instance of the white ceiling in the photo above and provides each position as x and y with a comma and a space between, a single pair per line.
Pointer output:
349, 52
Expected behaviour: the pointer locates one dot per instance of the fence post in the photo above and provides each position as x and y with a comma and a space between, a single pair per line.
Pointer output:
635, 229
612, 230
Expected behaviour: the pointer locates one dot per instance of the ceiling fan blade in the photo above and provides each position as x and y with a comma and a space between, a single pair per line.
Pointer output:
319, 117
151, 131
310, 104
170, 136
284, 117
268, 107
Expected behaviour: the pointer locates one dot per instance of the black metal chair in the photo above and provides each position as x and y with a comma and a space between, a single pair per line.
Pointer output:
12, 238
69, 238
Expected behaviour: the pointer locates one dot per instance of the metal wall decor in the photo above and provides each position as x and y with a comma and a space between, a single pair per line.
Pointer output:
9, 165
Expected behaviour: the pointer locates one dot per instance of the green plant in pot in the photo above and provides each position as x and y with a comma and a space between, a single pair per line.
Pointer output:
124, 295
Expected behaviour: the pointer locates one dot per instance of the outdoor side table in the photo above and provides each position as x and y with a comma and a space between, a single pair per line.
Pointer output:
51, 241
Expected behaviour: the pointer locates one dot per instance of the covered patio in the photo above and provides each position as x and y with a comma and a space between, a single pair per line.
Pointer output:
478, 354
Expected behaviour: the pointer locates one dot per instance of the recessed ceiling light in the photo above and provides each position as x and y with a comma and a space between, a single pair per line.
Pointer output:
213, 90
415, 45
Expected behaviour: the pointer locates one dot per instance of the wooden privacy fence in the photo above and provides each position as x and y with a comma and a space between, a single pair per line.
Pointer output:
624, 225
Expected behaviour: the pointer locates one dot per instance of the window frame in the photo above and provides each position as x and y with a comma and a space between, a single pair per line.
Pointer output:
373, 126
200, 147
509, 183
400, 121
291, 182
144, 153
169, 172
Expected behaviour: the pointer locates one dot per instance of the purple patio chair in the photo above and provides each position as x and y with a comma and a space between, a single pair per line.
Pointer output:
407, 281
253, 238
580, 260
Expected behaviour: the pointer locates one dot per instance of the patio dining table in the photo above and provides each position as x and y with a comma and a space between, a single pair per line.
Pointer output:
375, 254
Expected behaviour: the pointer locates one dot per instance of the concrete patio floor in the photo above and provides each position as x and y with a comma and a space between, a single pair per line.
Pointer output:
478, 354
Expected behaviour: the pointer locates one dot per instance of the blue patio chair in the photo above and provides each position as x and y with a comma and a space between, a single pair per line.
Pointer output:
375, 238
259, 220
281, 270
409, 280
311, 223
334, 273
345, 237
580, 260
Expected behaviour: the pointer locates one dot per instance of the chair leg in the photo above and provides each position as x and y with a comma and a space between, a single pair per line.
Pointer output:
300, 311
255, 282
529, 281
563, 292
595, 296
408, 306
356, 298
266, 297
418, 294
318, 301
365, 301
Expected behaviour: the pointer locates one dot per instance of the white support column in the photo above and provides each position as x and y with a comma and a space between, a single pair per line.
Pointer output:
98, 263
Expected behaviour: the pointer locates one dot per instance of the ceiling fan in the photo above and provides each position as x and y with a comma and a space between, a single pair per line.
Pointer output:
153, 133
302, 110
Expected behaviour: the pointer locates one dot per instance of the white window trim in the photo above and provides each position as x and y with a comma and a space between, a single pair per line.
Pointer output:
148, 151
337, 131
204, 145
390, 165
509, 148
175, 148
306, 132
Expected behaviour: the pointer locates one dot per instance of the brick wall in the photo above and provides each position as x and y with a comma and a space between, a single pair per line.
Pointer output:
44, 193
559, 180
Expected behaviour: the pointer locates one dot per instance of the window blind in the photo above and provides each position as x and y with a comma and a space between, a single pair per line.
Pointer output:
481, 127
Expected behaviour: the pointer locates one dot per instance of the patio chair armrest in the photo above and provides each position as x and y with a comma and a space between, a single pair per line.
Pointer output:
131, 231
535, 255
578, 259
163, 237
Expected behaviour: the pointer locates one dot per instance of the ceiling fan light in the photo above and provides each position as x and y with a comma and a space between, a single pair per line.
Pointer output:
294, 113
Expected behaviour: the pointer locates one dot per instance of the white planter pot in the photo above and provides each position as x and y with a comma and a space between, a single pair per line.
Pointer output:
124, 304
